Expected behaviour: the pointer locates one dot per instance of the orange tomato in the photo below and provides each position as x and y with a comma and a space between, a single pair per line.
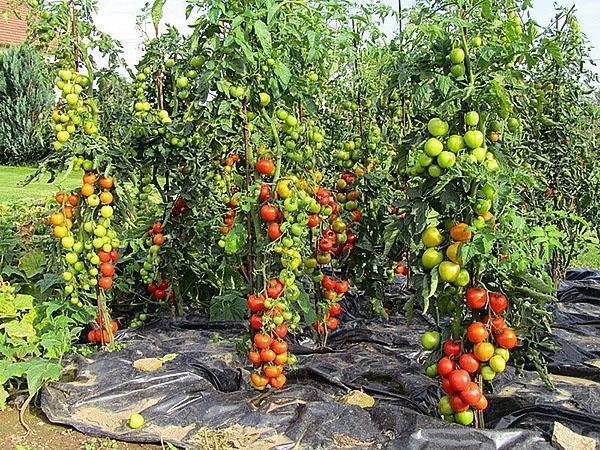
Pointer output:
107, 182
87, 190
459, 233
61, 197
483, 351
74, 199
90, 178
68, 211
106, 198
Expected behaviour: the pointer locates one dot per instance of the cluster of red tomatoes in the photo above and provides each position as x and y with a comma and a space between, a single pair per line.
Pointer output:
232, 201
269, 353
151, 266
99, 333
179, 208
484, 353
333, 292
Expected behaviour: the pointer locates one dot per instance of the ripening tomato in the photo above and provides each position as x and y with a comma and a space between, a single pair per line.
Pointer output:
87, 190
459, 233
506, 338
274, 288
265, 166
325, 244
483, 351
262, 341
105, 282
107, 269
470, 394
281, 330
281, 359
445, 366
272, 371
458, 379
60, 197
104, 256
481, 404
254, 357
114, 326
73, 199
497, 323
278, 382
90, 178
106, 198
477, 332
468, 362
457, 404
279, 347
498, 303
256, 303
258, 380
91, 336
274, 231
256, 321
267, 355
107, 182
476, 298
158, 239
451, 348
268, 213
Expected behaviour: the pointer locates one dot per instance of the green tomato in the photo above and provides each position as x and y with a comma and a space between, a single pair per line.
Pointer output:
71, 258
487, 373
474, 138
479, 154
106, 211
430, 340
183, 82
502, 352
431, 371
446, 159
513, 124
78, 247
449, 271
434, 171
265, 98
425, 160
100, 231
457, 55
135, 421
444, 407
492, 165
433, 147
455, 143
497, 363
482, 206
458, 70
432, 237
472, 118
463, 278
68, 242
437, 127
431, 258
465, 417
67, 276
95, 260
488, 191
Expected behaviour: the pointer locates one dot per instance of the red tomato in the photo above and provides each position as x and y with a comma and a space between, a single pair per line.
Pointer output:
470, 394
265, 192
447, 387
335, 309
279, 347
325, 244
328, 283
91, 336
255, 303
477, 332
314, 220
254, 357
107, 269
506, 338
457, 404
451, 348
272, 371
267, 355
152, 288
328, 233
476, 298
497, 323
498, 303
332, 323
104, 256
160, 294
458, 379
445, 366
164, 284
157, 228
468, 362
105, 283
114, 255
274, 288
274, 231
281, 331
256, 321
268, 213
262, 341
342, 287
265, 166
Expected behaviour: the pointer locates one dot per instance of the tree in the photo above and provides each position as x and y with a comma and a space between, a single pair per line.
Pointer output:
25, 99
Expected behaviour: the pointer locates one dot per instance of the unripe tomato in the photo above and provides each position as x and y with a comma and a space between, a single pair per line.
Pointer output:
430, 340
497, 363
483, 351
465, 417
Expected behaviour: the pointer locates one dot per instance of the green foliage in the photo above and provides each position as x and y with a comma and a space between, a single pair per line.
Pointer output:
25, 100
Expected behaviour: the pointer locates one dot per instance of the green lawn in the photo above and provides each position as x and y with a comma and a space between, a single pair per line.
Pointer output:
10, 191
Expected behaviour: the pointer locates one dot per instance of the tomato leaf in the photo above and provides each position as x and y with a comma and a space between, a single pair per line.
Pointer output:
263, 35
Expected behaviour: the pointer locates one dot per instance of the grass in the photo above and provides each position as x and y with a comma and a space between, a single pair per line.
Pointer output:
590, 258
11, 177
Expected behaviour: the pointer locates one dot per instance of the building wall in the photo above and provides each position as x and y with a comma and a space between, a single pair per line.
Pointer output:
15, 30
